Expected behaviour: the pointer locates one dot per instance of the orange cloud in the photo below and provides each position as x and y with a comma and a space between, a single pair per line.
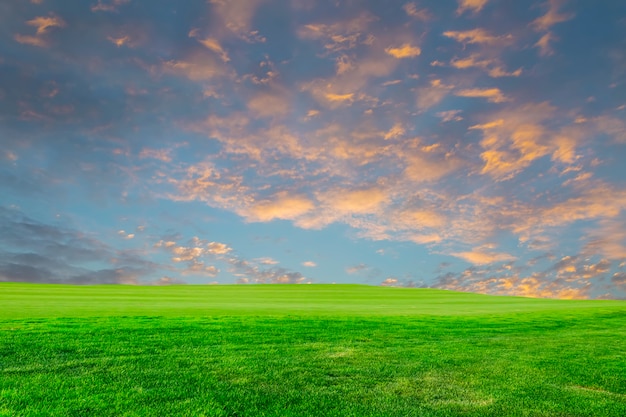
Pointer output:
479, 36
121, 41
404, 51
545, 48
340, 97
282, 206
30, 40
211, 44
342, 201
492, 66
482, 257
396, 131
493, 95
43, 23
552, 16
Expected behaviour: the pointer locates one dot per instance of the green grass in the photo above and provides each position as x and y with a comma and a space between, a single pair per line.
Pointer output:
309, 350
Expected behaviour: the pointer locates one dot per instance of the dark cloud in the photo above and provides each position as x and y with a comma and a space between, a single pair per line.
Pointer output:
33, 251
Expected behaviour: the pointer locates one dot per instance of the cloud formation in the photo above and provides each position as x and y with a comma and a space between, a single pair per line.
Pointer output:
468, 144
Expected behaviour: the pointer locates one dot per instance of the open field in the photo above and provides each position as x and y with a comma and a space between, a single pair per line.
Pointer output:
318, 350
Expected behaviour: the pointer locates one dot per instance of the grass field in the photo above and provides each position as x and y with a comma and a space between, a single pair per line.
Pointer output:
305, 350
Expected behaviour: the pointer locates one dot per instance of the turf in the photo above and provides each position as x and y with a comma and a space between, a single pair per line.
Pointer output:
309, 350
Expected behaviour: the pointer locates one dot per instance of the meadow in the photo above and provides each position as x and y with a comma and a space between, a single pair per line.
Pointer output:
305, 350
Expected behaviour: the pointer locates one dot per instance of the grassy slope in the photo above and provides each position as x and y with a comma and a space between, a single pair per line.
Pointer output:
319, 350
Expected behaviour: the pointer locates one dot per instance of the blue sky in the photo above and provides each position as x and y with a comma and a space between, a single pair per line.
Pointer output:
474, 145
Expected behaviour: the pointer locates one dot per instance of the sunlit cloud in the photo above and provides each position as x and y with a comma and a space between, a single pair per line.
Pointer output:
43, 23
120, 41
404, 51
552, 16
211, 44
477, 36
493, 95
483, 257
283, 206
492, 66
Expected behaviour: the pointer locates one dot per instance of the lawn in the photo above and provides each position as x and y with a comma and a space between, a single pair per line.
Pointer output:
305, 350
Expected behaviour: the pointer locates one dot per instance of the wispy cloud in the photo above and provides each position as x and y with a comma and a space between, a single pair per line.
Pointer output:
477, 36
474, 6
493, 95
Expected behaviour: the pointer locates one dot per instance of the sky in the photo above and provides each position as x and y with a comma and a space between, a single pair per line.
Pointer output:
470, 145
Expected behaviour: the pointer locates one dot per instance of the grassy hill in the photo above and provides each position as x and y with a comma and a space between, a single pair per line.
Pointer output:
300, 350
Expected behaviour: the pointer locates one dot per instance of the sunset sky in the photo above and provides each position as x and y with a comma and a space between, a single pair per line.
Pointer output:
474, 145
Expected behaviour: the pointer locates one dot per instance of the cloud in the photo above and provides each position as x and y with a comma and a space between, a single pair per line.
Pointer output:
340, 35
282, 205
125, 235
235, 17
552, 16
538, 285
120, 41
493, 95
478, 36
309, 264
419, 14
30, 40
32, 251
493, 67
159, 154
396, 131
342, 201
340, 97
211, 44
404, 51
474, 6
267, 261
544, 44
432, 95
168, 281
479, 256
248, 272
544, 23
450, 116
389, 282
43, 23
196, 67
271, 102
355, 269
218, 248
108, 6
